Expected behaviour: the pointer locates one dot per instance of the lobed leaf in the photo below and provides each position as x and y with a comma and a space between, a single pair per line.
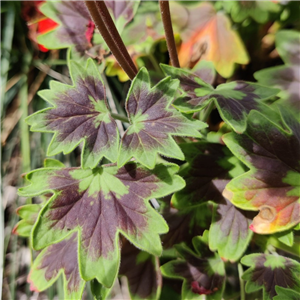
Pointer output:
75, 26
57, 259
99, 204
272, 184
154, 122
80, 113
200, 276
229, 231
189, 82
234, 100
208, 167
270, 271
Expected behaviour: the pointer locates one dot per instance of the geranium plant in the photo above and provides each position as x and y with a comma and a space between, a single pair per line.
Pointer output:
190, 189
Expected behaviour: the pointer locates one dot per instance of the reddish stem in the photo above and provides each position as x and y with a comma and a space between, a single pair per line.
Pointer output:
91, 5
111, 27
166, 18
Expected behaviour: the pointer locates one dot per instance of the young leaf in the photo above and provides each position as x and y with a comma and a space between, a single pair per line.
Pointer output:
234, 100
201, 175
122, 11
189, 82
142, 272
207, 34
100, 204
200, 276
28, 213
229, 231
286, 237
272, 184
268, 271
80, 113
287, 77
60, 258
154, 121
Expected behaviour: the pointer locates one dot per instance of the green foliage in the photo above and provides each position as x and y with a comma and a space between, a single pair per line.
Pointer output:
272, 273
263, 148
153, 122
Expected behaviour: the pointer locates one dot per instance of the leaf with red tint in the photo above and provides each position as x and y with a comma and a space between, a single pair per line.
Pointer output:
207, 35
268, 271
100, 204
233, 100
205, 174
272, 184
142, 272
154, 122
80, 113
60, 258
74, 26
201, 276
286, 77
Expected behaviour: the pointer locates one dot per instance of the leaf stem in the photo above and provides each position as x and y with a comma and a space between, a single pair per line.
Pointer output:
207, 110
242, 284
103, 21
294, 250
111, 27
119, 117
166, 18
154, 63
